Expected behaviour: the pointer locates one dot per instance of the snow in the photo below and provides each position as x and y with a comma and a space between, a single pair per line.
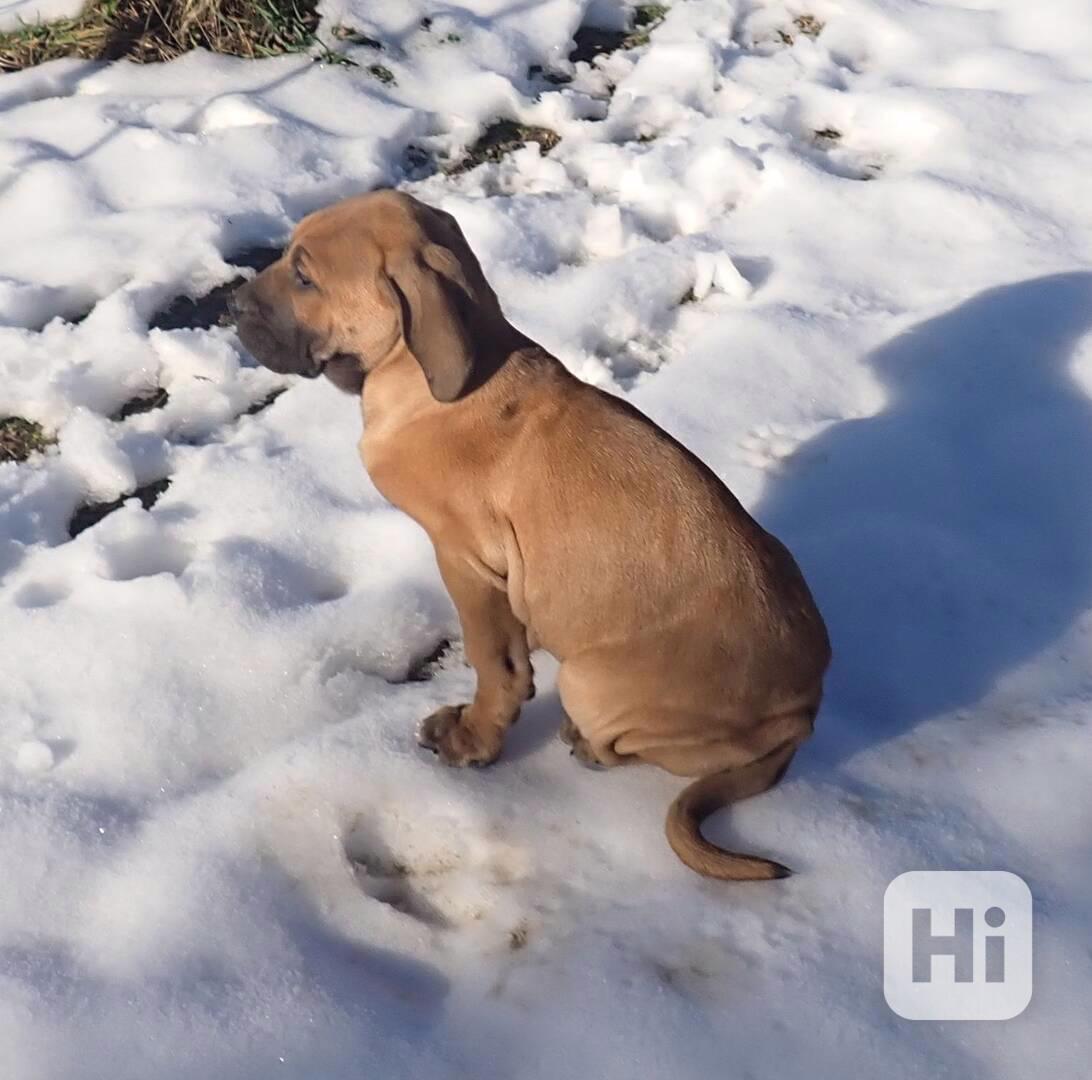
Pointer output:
224, 855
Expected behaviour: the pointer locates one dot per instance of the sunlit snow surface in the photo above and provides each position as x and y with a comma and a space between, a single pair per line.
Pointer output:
852, 271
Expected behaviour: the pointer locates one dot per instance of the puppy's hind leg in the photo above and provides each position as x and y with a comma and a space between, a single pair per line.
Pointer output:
581, 697
579, 747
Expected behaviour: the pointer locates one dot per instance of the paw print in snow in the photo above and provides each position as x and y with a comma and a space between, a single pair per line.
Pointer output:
768, 446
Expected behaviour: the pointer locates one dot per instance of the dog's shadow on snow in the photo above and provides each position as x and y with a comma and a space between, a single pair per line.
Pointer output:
948, 539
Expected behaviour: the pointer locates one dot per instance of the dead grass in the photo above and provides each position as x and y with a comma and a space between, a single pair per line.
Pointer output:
152, 30
808, 25
351, 36
500, 139
19, 438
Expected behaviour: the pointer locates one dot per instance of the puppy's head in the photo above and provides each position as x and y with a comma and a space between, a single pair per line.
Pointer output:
362, 278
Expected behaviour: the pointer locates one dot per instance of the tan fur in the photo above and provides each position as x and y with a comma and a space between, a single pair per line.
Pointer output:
562, 519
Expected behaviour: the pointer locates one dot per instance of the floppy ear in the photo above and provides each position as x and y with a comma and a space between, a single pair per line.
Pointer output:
436, 308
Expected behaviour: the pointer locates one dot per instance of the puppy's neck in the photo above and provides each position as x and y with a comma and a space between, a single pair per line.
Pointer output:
396, 391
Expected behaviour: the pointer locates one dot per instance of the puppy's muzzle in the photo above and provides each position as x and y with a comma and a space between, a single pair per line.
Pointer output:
281, 347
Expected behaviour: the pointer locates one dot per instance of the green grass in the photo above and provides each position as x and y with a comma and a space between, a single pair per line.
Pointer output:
649, 14
645, 19
153, 30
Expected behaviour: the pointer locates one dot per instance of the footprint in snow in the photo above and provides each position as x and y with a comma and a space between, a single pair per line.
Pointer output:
826, 149
40, 594
768, 446
443, 885
144, 556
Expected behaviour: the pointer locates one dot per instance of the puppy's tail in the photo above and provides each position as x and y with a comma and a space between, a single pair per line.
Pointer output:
701, 798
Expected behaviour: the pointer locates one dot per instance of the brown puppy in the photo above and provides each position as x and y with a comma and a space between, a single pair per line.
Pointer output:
561, 516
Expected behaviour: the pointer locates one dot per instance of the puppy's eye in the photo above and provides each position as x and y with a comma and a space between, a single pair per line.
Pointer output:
302, 280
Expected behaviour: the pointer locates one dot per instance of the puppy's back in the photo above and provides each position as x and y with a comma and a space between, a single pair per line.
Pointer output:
640, 530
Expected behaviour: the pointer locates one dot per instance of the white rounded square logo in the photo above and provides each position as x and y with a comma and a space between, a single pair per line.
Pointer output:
957, 945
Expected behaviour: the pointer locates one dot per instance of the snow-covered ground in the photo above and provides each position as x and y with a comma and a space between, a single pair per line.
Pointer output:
843, 250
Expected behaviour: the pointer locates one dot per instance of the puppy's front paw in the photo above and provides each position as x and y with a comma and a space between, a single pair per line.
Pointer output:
447, 733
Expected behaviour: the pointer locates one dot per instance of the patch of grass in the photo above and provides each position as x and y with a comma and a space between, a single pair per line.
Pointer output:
326, 55
592, 41
383, 74
555, 78
152, 30
425, 667
264, 403
354, 37
92, 513
808, 25
450, 38
649, 14
200, 313
30, 44
142, 403
500, 139
186, 313
645, 19
19, 438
